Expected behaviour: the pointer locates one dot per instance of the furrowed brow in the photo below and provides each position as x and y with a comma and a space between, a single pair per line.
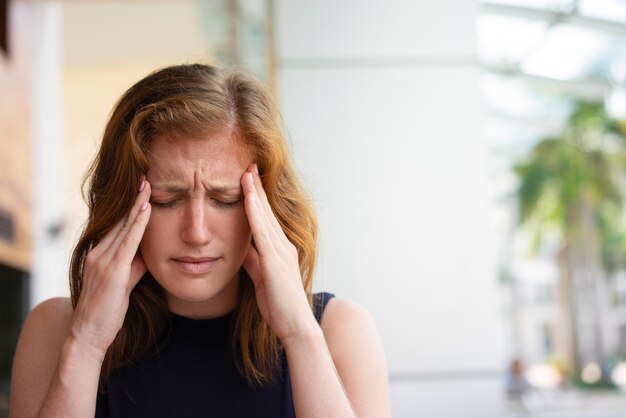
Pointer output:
224, 188
169, 188
216, 188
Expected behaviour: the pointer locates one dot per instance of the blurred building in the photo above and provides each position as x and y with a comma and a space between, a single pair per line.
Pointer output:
18, 58
542, 57
536, 317
383, 107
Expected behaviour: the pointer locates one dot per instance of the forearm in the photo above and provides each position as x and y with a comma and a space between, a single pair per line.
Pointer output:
316, 387
74, 386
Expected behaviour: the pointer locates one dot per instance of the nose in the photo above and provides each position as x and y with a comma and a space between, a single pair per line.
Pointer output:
195, 229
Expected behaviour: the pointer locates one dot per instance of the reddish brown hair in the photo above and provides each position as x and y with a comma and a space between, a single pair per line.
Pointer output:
187, 101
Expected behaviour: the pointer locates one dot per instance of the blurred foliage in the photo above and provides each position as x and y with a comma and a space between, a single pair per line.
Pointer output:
586, 163
602, 385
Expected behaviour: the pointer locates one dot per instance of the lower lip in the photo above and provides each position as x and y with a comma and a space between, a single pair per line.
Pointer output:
196, 268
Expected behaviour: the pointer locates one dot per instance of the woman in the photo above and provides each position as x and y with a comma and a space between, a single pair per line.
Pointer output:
191, 283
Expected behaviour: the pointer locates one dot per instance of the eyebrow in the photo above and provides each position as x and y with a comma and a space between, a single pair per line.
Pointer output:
179, 188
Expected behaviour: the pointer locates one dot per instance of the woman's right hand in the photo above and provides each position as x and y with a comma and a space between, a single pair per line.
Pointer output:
112, 269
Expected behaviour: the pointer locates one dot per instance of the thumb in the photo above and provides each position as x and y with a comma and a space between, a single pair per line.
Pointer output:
137, 270
252, 265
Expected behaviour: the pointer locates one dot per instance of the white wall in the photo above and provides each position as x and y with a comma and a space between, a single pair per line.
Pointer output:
88, 54
49, 263
383, 104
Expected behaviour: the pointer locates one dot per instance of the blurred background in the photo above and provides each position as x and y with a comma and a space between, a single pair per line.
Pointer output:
467, 160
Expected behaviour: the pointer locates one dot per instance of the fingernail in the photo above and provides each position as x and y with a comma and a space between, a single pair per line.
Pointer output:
250, 177
256, 169
144, 206
142, 185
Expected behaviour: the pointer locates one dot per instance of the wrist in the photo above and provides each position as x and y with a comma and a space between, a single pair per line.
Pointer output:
76, 353
74, 384
308, 334
88, 338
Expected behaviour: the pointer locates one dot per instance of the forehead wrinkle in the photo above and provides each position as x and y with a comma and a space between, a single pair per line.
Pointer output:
220, 186
169, 187
216, 185
167, 180
172, 173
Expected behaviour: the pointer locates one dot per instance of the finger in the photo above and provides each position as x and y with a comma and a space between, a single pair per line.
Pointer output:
135, 210
275, 232
108, 238
257, 181
264, 202
258, 225
127, 250
105, 245
252, 265
137, 270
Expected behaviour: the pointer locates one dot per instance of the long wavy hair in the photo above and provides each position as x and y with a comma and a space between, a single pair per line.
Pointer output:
185, 101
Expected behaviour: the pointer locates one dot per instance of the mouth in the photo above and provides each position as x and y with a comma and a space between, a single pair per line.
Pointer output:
195, 265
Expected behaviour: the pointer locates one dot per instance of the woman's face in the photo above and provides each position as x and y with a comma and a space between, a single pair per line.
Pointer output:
198, 233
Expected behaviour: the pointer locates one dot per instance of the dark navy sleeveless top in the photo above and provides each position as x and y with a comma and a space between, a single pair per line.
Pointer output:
194, 375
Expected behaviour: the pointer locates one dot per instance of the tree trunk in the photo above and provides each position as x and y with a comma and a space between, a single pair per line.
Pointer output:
566, 332
585, 271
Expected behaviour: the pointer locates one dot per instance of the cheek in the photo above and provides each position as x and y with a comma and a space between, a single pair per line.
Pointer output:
240, 229
243, 224
153, 235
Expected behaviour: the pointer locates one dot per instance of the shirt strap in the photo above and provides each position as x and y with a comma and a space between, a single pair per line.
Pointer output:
320, 300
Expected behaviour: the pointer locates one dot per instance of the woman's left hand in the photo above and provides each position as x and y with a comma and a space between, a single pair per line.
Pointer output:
273, 267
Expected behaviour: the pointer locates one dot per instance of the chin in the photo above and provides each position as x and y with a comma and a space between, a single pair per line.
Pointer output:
199, 290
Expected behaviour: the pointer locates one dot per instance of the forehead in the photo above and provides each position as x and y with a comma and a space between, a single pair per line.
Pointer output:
211, 155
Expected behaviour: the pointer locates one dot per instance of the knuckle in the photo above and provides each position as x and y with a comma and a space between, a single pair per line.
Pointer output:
127, 242
92, 261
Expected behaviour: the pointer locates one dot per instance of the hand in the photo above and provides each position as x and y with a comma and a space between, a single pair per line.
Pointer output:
112, 269
273, 266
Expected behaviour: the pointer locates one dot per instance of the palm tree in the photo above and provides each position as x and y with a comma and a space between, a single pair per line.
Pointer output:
572, 185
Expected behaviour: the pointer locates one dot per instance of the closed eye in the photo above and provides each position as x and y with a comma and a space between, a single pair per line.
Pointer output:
226, 204
223, 204
164, 205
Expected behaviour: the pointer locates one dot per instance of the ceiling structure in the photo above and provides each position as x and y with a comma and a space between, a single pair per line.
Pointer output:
542, 55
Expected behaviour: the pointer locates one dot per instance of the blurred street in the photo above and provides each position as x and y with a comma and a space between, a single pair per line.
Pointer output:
570, 404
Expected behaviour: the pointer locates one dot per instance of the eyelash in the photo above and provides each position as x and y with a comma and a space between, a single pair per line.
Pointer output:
164, 205
218, 203
226, 205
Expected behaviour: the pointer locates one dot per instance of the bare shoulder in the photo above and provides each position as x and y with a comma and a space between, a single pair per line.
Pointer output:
36, 356
357, 351
60, 308
49, 321
339, 310
347, 325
